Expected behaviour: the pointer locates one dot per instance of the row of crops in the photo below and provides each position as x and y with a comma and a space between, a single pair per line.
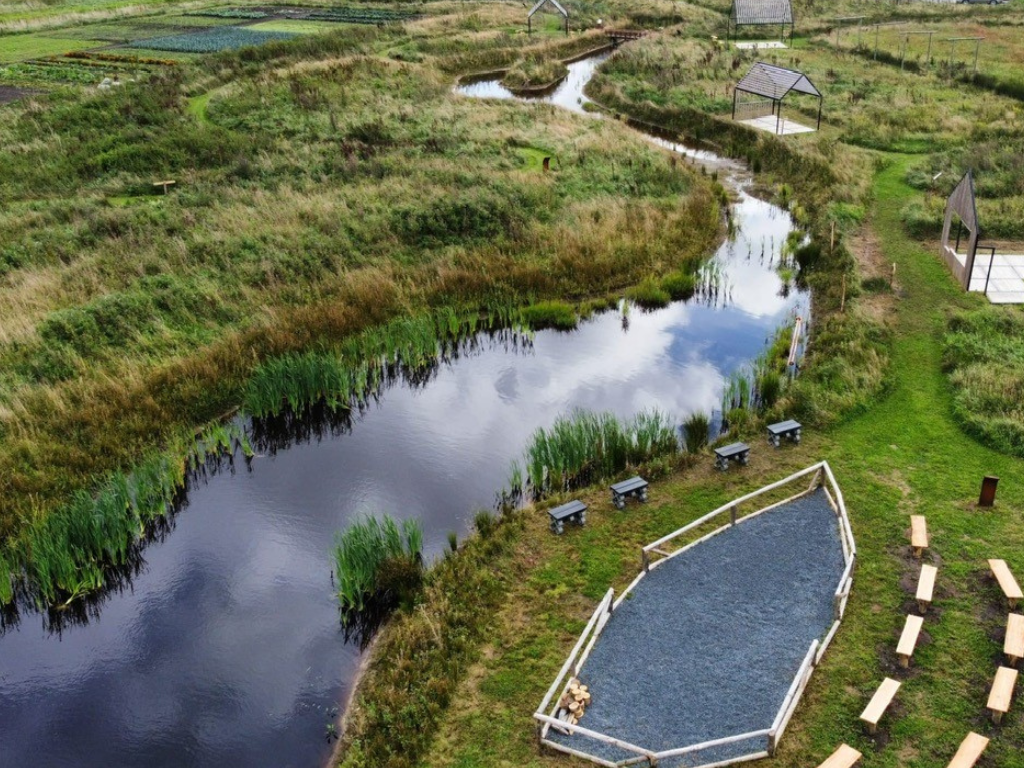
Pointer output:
212, 40
340, 14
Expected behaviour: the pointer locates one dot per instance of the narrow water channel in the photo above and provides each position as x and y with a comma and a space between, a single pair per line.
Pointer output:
225, 648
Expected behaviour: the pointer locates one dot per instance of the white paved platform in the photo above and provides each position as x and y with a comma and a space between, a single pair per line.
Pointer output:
761, 45
1006, 282
768, 123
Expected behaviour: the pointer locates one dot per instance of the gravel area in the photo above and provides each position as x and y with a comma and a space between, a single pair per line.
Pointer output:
709, 642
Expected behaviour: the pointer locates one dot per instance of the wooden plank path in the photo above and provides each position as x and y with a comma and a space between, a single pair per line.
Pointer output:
926, 587
844, 757
1002, 692
908, 640
970, 750
879, 703
918, 534
1006, 581
1013, 645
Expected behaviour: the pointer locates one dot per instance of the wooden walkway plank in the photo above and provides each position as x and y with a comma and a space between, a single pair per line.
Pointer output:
918, 534
970, 750
1006, 581
926, 587
879, 703
908, 640
1002, 692
844, 757
1013, 645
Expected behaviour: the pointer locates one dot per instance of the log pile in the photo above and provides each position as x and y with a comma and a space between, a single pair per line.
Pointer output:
574, 703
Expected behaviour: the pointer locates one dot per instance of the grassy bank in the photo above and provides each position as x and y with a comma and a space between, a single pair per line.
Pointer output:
327, 186
904, 455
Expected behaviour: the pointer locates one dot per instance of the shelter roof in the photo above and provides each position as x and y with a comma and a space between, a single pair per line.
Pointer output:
962, 200
762, 12
540, 4
775, 82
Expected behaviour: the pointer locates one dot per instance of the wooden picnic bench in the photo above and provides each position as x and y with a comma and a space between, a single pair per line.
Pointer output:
918, 534
844, 757
879, 703
908, 639
788, 428
733, 452
970, 750
635, 486
1006, 581
575, 512
1013, 645
1001, 693
926, 587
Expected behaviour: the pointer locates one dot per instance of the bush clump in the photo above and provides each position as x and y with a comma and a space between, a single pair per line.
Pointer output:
550, 314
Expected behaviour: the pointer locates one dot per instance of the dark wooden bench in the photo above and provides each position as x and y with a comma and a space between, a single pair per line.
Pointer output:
790, 429
575, 512
735, 452
635, 486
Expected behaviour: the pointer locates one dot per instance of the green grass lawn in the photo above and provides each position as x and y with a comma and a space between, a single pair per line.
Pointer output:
14, 48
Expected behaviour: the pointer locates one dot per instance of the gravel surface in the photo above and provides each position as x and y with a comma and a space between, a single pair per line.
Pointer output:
709, 643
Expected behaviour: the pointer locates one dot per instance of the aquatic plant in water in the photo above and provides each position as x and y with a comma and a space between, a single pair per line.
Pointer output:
584, 447
696, 430
379, 563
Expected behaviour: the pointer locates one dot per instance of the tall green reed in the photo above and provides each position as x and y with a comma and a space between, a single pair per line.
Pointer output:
377, 561
584, 447
696, 430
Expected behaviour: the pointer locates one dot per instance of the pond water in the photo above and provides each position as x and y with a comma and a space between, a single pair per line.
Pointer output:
224, 648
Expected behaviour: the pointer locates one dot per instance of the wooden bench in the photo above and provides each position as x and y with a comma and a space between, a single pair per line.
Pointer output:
790, 429
733, 452
635, 486
918, 534
844, 757
970, 750
574, 512
1006, 581
1013, 645
908, 640
926, 587
1001, 693
879, 703
165, 184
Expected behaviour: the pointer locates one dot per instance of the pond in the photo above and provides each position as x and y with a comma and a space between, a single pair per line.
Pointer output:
224, 648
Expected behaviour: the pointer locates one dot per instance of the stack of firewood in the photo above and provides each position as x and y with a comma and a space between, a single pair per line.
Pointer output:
574, 703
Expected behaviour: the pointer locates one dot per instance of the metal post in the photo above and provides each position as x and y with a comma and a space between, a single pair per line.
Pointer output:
818, 127
928, 57
878, 29
778, 120
977, 49
991, 261
959, 230
734, 93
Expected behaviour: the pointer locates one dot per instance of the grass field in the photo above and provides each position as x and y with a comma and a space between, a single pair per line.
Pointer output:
331, 186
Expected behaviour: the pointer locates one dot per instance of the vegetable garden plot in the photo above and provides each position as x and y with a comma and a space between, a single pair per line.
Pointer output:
212, 40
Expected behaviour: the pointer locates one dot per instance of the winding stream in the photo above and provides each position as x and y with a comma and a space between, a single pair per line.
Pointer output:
224, 649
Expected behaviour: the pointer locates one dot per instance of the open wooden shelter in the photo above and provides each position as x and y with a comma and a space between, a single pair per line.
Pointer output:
540, 4
761, 13
770, 85
963, 204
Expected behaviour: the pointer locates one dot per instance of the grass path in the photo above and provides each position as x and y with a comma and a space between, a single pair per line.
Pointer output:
905, 455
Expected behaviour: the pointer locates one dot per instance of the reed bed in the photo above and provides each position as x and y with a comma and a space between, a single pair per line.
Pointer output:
379, 563
697, 431
64, 555
585, 447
